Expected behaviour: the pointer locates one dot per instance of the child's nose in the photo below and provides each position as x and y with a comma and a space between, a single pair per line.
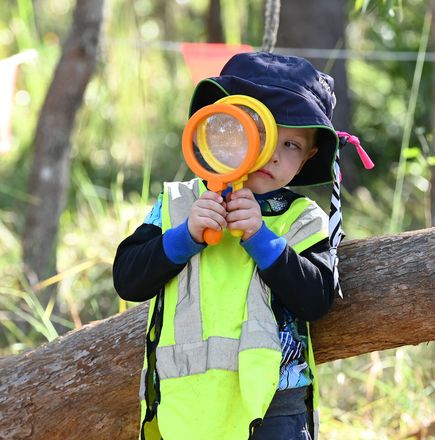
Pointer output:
275, 156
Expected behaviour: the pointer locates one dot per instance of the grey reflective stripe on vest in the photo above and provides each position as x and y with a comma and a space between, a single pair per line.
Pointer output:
187, 320
191, 354
316, 421
197, 357
181, 195
311, 220
260, 329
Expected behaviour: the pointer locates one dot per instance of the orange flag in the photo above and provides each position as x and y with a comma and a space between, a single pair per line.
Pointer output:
8, 73
207, 59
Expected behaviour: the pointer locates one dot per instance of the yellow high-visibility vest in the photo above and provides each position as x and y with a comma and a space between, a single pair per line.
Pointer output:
218, 354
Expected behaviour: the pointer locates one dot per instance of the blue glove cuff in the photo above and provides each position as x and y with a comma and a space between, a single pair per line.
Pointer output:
178, 244
264, 247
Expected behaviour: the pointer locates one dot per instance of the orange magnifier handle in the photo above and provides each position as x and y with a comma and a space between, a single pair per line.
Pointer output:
212, 236
216, 181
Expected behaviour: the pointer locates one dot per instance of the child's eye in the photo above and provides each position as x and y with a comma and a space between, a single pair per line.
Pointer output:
292, 145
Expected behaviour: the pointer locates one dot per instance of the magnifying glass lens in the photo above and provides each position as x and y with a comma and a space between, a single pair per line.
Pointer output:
225, 140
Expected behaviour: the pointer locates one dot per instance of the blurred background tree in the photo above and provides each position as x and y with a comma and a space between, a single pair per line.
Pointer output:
126, 142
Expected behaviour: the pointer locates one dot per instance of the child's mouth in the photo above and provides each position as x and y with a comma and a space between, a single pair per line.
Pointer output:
265, 172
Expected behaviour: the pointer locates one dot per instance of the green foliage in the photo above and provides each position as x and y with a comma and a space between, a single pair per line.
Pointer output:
382, 101
375, 396
392, 8
127, 142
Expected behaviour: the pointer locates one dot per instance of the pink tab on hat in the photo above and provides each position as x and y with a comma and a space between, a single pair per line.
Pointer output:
365, 158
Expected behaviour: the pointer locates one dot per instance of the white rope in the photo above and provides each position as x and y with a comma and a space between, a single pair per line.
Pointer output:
271, 24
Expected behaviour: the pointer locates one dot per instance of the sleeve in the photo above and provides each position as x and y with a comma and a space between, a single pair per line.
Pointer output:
302, 282
141, 267
146, 260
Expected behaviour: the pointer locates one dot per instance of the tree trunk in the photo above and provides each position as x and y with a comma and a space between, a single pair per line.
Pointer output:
215, 31
432, 151
49, 177
321, 25
85, 384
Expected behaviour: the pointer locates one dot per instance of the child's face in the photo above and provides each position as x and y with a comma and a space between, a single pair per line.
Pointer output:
295, 146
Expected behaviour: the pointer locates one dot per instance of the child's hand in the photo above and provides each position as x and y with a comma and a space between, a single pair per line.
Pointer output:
207, 212
244, 212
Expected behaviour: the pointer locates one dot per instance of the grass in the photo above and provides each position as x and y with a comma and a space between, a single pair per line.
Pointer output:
84, 291
381, 395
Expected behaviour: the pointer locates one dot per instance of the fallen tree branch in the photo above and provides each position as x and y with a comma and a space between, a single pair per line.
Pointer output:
389, 285
85, 384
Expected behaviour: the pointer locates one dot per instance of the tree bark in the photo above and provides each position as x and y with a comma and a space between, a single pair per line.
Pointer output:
388, 287
85, 384
49, 177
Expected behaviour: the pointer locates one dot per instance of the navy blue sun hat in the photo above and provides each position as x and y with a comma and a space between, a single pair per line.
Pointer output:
295, 92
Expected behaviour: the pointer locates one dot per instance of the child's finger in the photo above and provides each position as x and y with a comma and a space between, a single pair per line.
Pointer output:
249, 226
242, 203
212, 205
237, 215
212, 215
212, 223
243, 193
242, 214
238, 224
210, 195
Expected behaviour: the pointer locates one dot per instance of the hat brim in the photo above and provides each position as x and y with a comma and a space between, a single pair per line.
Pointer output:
290, 109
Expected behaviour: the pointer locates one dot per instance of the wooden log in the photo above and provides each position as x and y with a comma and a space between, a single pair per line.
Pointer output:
85, 384
389, 287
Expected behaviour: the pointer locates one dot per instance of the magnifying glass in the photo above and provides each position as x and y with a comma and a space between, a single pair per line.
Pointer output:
238, 163
266, 126
226, 143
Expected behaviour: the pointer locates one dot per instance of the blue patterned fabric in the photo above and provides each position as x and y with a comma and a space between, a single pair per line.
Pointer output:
294, 370
154, 217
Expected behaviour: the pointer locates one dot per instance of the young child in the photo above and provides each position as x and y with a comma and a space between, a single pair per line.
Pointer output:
228, 353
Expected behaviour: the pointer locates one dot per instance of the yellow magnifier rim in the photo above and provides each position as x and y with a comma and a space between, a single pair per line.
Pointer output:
268, 121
